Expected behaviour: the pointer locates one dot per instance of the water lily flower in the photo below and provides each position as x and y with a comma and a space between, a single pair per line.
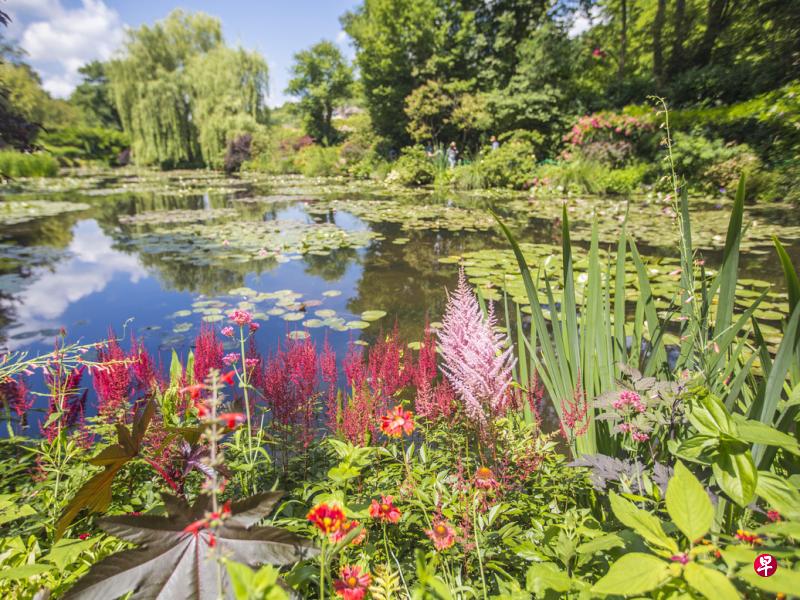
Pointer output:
328, 518
442, 534
353, 583
384, 510
396, 422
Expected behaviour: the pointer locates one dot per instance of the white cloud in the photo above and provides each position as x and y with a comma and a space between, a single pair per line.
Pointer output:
341, 37
59, 40
583, 21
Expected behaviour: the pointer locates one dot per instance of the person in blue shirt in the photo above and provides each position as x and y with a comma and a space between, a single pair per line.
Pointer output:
495, 143
452, 155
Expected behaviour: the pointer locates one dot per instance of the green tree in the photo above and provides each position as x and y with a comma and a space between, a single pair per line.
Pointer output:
93, 96
322, 79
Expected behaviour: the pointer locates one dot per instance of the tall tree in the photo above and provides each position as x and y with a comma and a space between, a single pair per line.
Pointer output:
93, 96
322, 80
167, 81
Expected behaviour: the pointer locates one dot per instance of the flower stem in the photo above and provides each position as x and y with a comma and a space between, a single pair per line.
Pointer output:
478, 549
244, 382
322, 571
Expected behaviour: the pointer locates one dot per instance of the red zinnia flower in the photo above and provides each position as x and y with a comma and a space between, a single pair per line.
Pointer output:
346, 528
327, 517
353, 583
442, 535
396, 422
384, 510
484, 479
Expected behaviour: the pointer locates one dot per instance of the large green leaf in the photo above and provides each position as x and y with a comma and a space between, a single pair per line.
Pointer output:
95, 494
174, 563
730, 263
779, 493
709, 415
756, 432
542, 577
642, 522
782, 581
688, 504
712, 584
634, 573
736, 474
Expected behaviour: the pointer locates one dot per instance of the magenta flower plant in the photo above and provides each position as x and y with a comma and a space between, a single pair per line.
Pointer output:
477, 360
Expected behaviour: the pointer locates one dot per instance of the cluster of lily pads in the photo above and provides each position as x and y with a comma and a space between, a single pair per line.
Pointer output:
495, 272
14, 212
283, 304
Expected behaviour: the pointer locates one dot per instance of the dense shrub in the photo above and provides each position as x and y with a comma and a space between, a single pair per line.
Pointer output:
626, 180
511, 165
414, 167
612, 138
318, 161
72, 145
578, 175
19, 164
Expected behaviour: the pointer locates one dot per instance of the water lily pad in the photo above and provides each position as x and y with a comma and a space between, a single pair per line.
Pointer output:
325, 313
373, 315
180, 314
331, 293
276, 312
213, 318
182, 327
313, 323
293, 316
242, 291
357, 324
298, 335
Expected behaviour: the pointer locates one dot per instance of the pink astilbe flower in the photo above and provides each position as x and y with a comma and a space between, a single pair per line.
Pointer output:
355, 370
435, 402
387, 366
208, 352
330, 376
475, 359
14, 397
145, 372
355, 420
66, 398
111, 378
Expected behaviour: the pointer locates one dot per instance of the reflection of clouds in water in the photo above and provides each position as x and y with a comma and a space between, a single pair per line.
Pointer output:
91, 265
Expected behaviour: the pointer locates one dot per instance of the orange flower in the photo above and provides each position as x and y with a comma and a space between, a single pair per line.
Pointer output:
327, 517
228, 377
353, 583
231, 420
384, 510
346, 528
748, 537
442, 535
484, 479
396, 422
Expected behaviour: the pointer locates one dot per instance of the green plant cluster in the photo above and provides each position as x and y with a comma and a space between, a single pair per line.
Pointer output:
20, 164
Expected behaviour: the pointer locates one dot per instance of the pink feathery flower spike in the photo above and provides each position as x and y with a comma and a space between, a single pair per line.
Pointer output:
476, 359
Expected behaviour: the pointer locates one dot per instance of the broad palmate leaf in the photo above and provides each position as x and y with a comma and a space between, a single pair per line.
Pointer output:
174, 564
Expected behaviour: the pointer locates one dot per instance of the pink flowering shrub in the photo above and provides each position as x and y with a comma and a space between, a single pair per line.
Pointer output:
611, 138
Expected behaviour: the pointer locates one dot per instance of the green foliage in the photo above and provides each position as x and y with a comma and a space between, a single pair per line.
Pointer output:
626, 180
73, 145
318, 161
182, 95
322, 80
19, 164
93, 97
577, 175
414, 167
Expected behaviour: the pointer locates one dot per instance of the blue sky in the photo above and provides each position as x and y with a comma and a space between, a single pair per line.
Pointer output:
61, 35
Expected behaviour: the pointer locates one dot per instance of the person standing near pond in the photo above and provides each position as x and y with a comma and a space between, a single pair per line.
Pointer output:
452, 155
495, 143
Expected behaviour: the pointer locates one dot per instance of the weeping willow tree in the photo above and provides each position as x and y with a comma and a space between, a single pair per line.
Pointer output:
181, 93
228, 88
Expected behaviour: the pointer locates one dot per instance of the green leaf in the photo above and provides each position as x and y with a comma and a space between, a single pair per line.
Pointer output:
709, 415
696, 448
779, 493
782, 581
25, 571
756, 432
712, 584
736, 474
789, 274
642, 522
65, 551
688, 504
635, 573
730, 263
342, 473
542, 577
601, 543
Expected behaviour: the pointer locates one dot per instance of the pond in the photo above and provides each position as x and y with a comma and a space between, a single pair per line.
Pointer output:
156, 255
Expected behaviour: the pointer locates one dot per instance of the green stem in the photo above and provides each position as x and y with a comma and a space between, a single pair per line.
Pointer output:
250, 460
478, 550
322, 571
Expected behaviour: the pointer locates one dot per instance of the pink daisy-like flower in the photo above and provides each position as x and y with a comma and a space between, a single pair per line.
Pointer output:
442, 534
484, 479
353, 583
397, 422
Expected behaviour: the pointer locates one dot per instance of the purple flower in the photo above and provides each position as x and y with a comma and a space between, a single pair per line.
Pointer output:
476, 360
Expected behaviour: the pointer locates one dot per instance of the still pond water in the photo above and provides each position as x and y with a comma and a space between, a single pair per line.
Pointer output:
157, 255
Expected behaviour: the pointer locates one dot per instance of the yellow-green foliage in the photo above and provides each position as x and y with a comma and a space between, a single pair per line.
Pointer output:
30, 100
182, 94
318, 161
19, 164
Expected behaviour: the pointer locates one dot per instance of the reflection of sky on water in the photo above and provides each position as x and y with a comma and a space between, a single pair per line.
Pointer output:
91, 264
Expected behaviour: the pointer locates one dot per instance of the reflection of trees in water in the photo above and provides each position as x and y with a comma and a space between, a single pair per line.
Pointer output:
407, 280
331, 267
